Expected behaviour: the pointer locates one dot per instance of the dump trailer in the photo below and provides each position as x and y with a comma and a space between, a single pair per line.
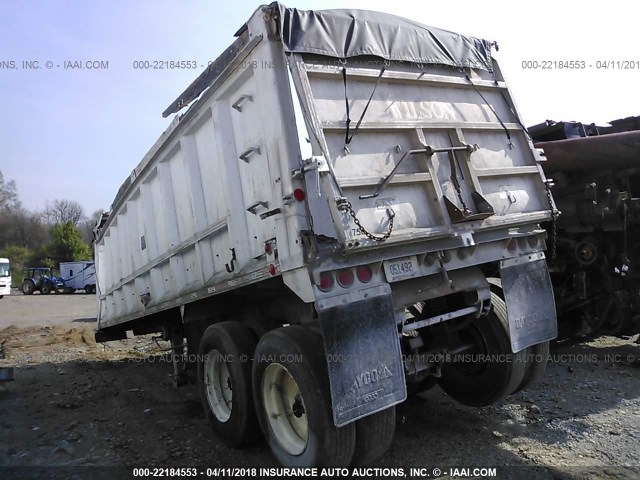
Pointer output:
596, 266
346, 212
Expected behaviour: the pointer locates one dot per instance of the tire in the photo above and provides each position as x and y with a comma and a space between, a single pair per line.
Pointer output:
534, 357
374, 435
224, 382
293, 403
537, 357
479, 384
45, 289
28, 287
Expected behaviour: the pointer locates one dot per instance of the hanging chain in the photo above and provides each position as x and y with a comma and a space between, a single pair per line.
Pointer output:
554, 227
346, 205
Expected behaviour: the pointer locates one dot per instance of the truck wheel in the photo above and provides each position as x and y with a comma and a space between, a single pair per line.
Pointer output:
46, 289
293, 403
534, 357
481, 383
224, 381
374, 435
28, 287
537, 357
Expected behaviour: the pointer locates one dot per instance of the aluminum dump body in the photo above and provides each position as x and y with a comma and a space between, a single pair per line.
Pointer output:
300, 150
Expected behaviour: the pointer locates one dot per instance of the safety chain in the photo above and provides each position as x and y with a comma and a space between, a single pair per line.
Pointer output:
554, 228
345, 204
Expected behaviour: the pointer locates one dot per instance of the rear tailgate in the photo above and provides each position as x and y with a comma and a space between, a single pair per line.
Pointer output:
438, 149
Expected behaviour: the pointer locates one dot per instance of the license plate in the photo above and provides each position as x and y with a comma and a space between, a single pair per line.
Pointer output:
401, 269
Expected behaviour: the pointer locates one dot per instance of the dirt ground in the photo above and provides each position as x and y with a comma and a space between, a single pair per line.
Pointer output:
75, 403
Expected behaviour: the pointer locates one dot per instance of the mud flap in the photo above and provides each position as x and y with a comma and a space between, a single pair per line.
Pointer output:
531, 307
361, 342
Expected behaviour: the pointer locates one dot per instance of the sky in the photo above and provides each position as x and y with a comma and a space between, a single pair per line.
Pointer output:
77, 134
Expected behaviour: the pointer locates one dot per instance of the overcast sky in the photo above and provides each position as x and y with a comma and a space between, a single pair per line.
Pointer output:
77, 134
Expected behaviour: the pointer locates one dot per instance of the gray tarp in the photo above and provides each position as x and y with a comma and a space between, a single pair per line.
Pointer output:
349, 33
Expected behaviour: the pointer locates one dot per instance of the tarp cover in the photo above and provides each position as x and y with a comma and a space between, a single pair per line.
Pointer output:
349, 33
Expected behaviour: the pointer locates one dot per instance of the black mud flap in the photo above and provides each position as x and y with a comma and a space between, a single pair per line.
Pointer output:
361, 342
531, 307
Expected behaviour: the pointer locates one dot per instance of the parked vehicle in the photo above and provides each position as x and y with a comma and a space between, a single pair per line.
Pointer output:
596, 270
321, 282
5, 277
79, 275
40, 279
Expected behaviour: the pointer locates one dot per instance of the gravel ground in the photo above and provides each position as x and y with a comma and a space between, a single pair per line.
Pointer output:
75, 403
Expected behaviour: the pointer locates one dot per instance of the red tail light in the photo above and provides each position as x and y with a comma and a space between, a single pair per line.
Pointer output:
326, 282
512, 246
364, 273
345, 278
299, 194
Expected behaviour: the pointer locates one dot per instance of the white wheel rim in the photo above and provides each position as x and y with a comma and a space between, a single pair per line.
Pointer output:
284, 409
217, 381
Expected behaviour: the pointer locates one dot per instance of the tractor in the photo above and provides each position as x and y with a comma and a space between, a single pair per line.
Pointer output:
40, 279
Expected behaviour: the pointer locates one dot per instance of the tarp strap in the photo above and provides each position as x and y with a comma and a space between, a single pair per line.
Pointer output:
506, 131
524, 129
347, 138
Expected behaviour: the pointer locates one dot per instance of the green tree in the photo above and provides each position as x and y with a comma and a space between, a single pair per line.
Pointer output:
67, 244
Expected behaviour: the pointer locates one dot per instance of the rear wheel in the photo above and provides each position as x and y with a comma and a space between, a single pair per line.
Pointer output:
534, 357
293, 403
494, 371
28, 287
224, 381
374, 435
46, 289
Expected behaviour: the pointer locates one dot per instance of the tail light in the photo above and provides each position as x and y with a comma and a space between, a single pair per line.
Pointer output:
299, 194
364, 273
533, 241
345, 278
512, 246
326, 282
522, 243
